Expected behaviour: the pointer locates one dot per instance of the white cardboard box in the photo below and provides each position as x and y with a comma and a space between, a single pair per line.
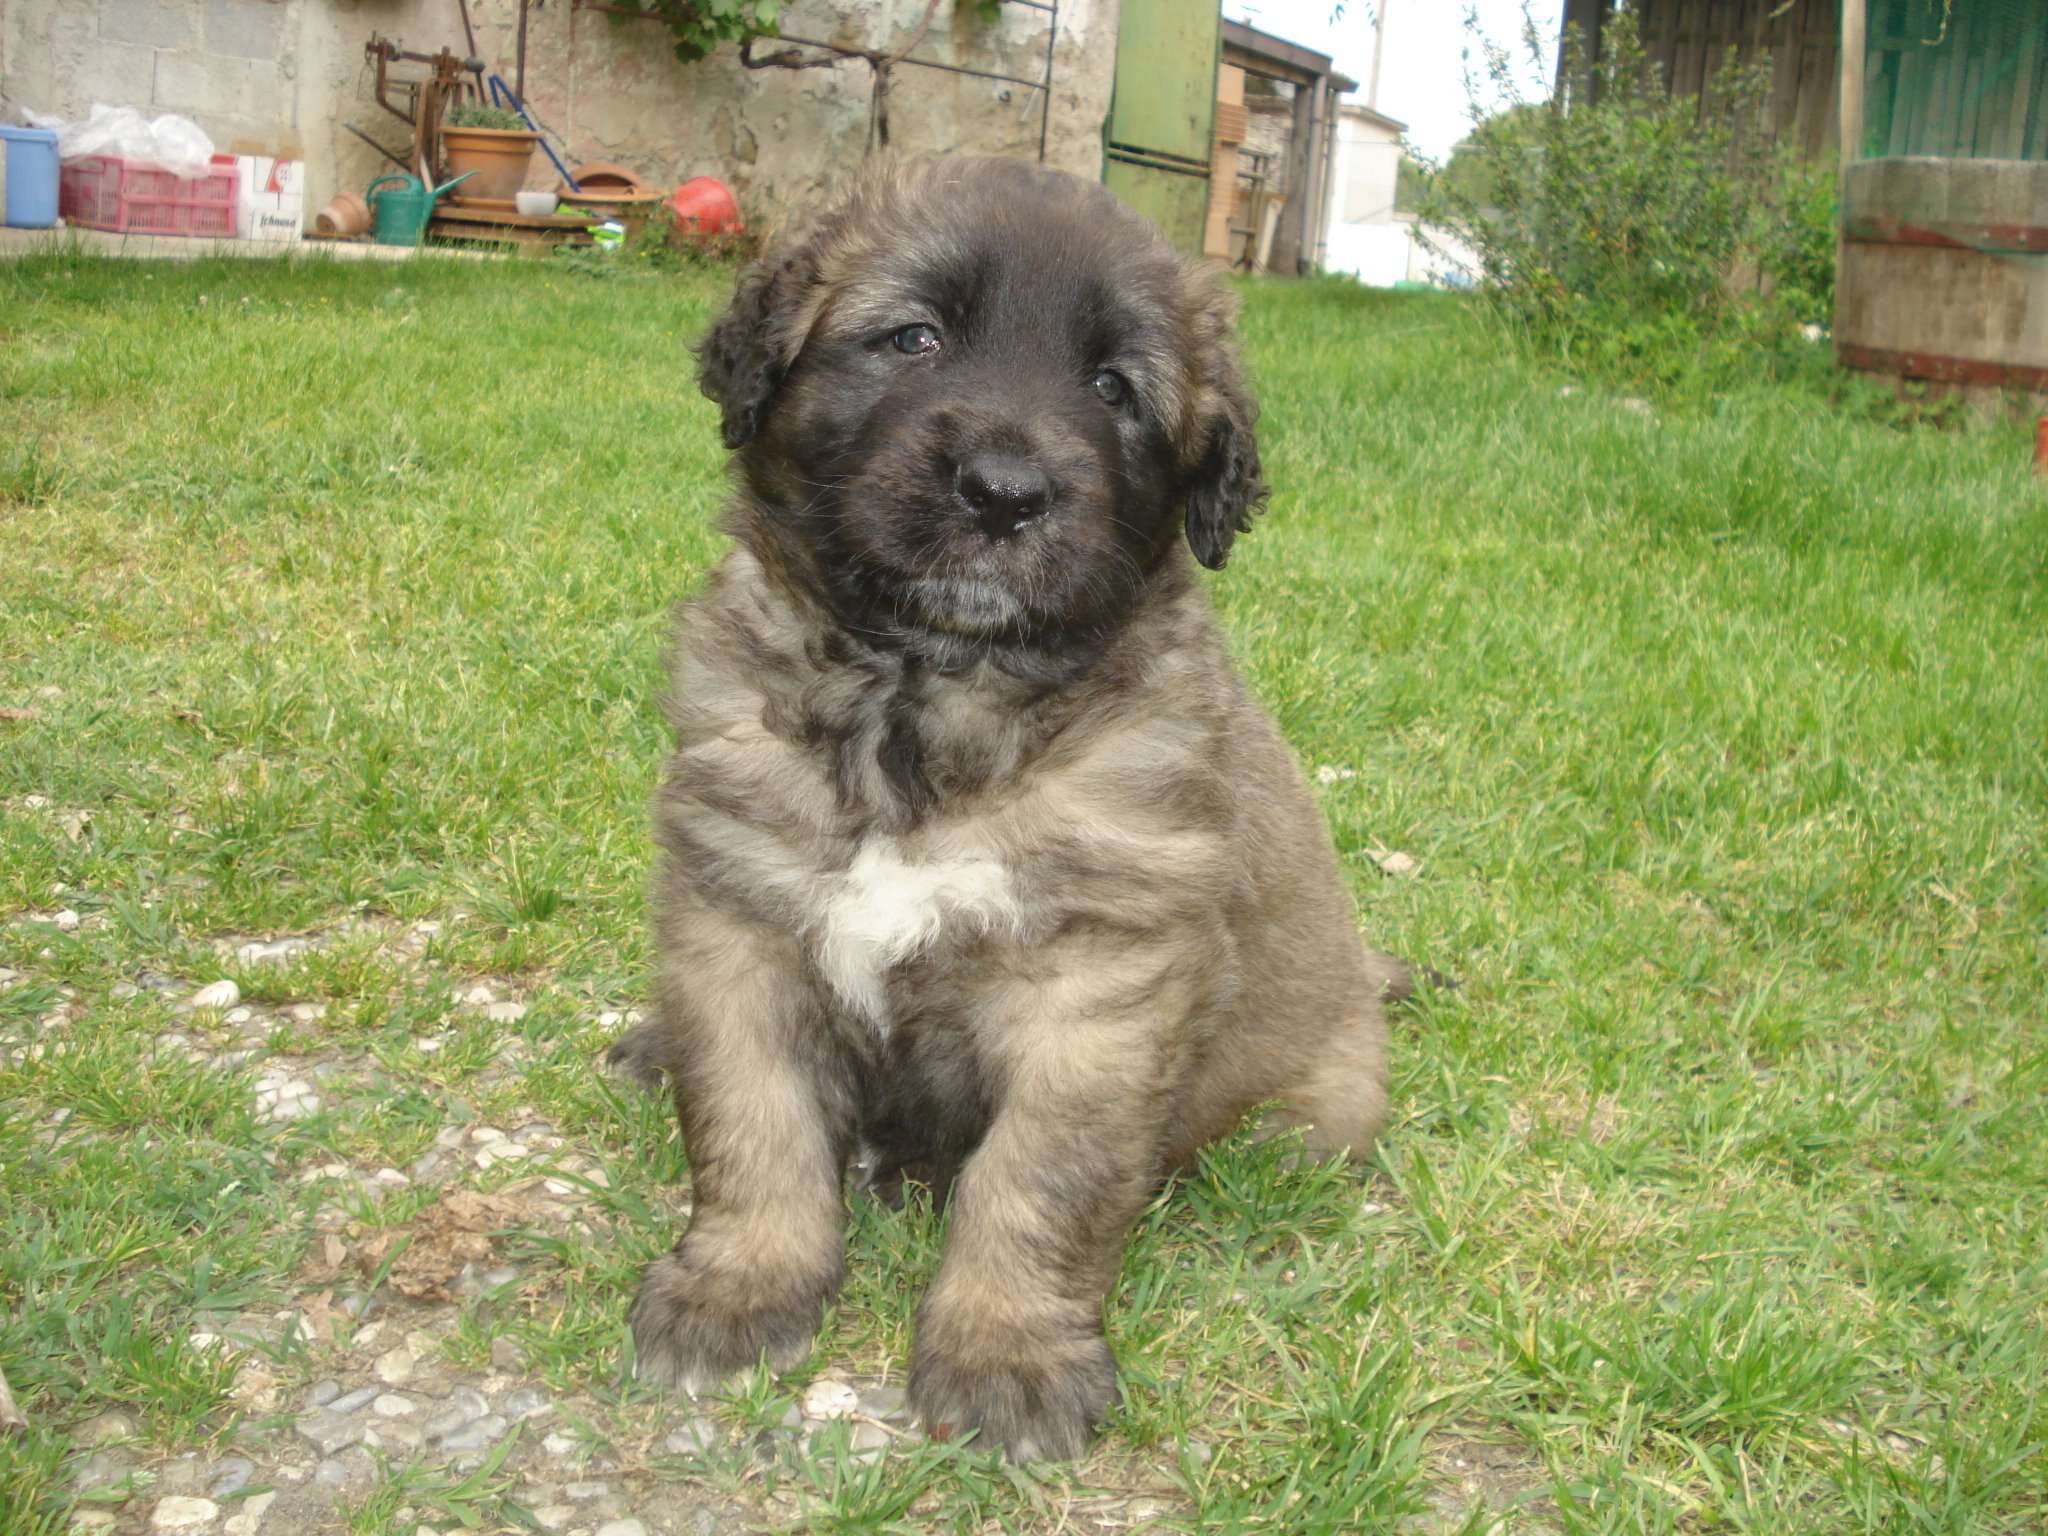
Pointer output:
272, 197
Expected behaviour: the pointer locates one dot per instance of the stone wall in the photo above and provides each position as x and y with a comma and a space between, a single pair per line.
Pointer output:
1270, 128
293, 72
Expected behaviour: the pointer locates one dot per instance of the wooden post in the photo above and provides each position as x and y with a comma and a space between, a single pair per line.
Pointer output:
1850, 70
519, 68
1849, 89
1586, 15
1293, 245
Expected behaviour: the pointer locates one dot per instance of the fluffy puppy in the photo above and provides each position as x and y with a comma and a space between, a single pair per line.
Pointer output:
978, 864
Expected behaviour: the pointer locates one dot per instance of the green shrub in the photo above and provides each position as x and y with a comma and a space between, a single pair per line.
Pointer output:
471, 114
1624, 227
1799, 240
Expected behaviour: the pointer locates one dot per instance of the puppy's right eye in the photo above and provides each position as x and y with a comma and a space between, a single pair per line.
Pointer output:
916, 339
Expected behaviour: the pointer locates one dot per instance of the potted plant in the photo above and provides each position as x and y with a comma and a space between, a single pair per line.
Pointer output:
491, 141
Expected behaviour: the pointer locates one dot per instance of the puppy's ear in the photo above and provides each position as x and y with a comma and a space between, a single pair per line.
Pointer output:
742, 359
1228, 488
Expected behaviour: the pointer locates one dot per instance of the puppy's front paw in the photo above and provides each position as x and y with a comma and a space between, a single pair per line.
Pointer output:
693, 1328
1035, 1404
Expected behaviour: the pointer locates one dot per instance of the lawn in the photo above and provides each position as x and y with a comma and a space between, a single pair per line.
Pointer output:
1716, 1197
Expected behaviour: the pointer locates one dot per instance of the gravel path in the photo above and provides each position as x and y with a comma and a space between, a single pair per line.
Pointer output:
352, 1394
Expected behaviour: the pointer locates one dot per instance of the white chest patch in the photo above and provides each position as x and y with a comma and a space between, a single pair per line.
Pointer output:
882, 911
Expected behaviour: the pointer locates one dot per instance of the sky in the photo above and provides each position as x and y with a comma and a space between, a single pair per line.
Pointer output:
1422, 76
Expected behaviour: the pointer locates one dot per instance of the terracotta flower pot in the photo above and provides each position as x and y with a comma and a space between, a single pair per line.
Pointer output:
497, 155
346, 215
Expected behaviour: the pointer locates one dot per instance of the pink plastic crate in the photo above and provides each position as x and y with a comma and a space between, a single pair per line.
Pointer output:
129, 197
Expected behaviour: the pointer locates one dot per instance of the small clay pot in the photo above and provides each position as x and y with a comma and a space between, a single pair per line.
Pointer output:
346, 214
608, 176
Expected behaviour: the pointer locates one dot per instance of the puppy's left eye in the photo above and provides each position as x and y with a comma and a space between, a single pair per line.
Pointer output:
1112, 387
916, 339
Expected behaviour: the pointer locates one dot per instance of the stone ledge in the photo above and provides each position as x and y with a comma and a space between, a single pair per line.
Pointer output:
99, 242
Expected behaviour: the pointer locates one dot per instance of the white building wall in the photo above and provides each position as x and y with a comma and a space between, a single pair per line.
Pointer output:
1367, 237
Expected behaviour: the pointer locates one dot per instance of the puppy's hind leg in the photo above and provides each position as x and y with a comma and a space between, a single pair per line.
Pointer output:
766, 1103
1340, 1105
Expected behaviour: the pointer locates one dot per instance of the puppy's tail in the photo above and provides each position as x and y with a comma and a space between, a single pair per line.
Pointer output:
1396, 980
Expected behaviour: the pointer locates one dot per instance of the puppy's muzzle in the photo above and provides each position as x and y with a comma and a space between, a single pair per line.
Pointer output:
1003, 493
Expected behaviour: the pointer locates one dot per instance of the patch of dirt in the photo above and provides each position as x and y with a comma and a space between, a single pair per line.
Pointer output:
432, 1250
1504, 1480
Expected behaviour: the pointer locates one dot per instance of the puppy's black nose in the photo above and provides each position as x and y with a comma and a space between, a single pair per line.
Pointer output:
1004, 493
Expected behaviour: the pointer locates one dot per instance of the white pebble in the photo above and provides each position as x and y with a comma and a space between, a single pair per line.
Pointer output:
218, 994
394, 1366
829, 1400
178, 1513
290, 1100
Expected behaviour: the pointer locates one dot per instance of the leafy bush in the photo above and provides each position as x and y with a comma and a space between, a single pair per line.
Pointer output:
1799, 241
1624, 226
701, 25
471, 114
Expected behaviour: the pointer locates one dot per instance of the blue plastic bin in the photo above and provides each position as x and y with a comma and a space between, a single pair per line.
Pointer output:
31, 176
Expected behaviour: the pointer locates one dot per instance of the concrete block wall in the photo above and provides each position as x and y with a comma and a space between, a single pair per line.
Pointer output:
293, 72
230, 65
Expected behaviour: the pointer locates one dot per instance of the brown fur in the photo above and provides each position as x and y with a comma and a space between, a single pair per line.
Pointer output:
975, 851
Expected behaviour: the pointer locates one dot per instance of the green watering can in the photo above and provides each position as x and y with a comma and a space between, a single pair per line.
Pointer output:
400, 217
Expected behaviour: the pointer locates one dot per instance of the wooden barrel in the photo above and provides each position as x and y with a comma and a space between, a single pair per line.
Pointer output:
1944, 272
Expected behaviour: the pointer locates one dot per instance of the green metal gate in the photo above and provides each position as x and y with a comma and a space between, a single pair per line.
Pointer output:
1162, 115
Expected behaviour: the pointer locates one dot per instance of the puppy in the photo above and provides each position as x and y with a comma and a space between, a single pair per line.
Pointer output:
976, 857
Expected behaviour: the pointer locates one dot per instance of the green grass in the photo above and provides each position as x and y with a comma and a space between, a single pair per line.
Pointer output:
1714, 1196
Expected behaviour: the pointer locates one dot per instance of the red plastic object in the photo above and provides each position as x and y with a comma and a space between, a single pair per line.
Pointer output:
130, 197
2041, 447
705, 206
